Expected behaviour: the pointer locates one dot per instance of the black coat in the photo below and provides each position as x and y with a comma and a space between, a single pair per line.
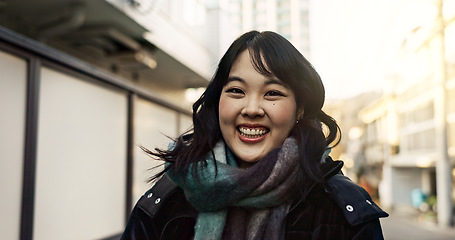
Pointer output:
337, 209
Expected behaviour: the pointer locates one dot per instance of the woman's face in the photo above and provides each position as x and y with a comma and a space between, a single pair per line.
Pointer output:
256, 112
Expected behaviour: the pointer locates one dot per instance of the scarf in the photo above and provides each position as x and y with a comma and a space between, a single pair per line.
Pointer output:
236, 203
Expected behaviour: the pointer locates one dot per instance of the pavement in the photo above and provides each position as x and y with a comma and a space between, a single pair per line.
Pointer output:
409, 225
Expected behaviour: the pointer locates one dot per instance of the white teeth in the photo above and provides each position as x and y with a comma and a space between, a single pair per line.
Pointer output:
247, 132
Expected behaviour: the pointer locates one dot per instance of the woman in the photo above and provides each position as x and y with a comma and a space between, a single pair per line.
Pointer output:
256, 164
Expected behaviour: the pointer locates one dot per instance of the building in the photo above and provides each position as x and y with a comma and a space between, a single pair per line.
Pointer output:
353, 145
412, 127
287, 17
83, 84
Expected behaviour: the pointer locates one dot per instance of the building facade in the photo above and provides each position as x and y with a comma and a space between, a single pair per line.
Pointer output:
412, 128
84, 84
287, 17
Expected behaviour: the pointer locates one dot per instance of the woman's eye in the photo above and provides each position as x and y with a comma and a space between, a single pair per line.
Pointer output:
234, 90
274, 93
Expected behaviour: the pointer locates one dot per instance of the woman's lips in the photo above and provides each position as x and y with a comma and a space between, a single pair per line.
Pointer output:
252, 134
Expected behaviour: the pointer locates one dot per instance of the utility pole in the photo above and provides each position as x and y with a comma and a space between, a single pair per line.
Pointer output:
443, 163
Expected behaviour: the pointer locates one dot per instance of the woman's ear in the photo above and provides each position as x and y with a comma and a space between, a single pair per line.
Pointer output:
300, 113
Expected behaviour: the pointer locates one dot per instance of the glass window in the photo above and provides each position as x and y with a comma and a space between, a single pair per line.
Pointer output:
424, 140
186, 122
153, 126
12, 122
81, 159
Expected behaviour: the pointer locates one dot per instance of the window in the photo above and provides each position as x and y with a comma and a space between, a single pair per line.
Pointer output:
12, 122
80, 166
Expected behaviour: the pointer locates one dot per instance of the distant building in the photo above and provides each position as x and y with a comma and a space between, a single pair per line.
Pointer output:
412, 127
287, 17
354, 143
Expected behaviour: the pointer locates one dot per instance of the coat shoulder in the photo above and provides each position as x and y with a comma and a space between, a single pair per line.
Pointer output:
354, 201
152, 201
158, 211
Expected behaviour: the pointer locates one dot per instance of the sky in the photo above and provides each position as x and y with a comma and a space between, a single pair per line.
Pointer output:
355, 43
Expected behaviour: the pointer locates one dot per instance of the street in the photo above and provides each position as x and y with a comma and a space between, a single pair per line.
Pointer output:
405, 226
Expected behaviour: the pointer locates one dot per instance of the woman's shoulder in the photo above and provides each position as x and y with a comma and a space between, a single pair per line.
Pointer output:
153, 199
351, 199
164, 203
336, 201
163, 195
338, 209
354, 201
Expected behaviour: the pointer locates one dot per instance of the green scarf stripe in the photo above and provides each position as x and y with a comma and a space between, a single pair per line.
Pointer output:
208, 225
223, 187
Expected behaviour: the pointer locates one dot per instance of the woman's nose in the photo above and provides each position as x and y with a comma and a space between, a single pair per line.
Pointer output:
252, 108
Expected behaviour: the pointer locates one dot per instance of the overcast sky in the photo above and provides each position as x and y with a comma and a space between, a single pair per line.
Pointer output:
354, 43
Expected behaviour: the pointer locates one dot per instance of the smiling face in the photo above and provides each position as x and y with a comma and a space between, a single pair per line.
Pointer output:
256, 112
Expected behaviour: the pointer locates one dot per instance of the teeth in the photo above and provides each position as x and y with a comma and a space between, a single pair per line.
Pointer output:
252, 133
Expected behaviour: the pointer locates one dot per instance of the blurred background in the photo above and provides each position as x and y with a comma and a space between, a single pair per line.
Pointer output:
84, 83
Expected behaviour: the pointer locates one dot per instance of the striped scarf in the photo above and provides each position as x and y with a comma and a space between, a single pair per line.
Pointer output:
236, 203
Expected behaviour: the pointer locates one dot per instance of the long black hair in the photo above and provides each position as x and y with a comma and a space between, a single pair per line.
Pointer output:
273, 55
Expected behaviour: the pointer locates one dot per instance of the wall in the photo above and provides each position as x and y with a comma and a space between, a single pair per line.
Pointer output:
70, 163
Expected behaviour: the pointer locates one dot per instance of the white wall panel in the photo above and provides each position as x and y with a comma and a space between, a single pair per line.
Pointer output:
12, 124
186, 122
153, 123
81, 159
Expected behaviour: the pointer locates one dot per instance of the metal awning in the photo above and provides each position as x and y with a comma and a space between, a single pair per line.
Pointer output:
102, 35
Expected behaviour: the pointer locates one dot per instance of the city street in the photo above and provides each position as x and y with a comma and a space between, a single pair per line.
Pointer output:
405, 226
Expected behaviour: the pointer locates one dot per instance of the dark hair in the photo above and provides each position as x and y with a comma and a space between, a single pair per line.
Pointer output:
271, 54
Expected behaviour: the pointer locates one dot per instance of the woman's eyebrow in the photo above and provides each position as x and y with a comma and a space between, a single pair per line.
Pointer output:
275, 81
269, 81
235, 78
